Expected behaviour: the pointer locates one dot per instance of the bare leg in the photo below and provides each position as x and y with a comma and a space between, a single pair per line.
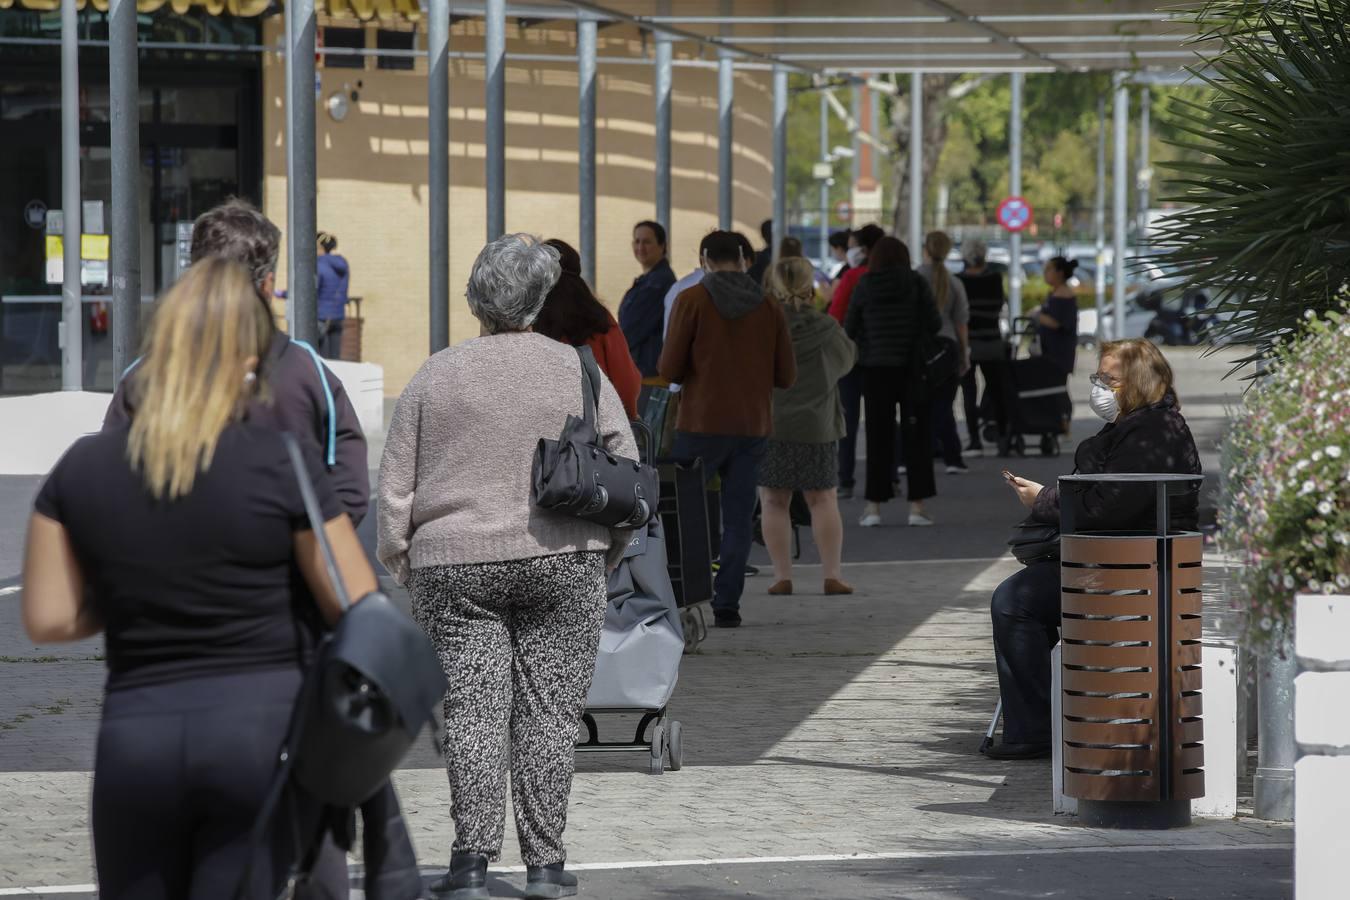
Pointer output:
827, 529
777, 528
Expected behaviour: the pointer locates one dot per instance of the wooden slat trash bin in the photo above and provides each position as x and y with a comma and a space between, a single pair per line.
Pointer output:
1133, 751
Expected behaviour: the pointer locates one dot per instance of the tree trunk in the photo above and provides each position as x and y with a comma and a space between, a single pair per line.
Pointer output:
936, 96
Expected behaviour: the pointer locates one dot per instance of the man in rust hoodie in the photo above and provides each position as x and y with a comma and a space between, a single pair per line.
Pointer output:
728, 347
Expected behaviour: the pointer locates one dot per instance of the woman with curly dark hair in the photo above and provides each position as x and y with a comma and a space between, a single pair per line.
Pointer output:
573, 315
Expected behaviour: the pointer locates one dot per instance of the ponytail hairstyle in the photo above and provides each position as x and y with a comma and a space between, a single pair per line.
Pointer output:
1065, 267
196, 378
937, 245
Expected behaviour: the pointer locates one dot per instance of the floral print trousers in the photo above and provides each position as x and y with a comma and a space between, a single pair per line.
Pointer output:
518, 641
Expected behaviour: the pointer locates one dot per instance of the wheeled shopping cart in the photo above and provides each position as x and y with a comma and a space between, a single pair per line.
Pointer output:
1035, 393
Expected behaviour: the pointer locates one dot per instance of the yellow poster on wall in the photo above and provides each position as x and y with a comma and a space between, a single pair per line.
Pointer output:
94, 246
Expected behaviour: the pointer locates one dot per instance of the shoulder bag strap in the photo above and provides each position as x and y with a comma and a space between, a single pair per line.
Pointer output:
315, 518
590, 386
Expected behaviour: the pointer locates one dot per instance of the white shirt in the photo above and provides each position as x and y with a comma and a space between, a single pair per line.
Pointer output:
676, 289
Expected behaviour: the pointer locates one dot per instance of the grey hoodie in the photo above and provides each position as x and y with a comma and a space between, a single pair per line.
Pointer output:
734, 294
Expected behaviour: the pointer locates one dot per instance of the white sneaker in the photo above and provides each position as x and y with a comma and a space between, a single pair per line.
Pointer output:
958, 470
872, 520
919, 520
901, 470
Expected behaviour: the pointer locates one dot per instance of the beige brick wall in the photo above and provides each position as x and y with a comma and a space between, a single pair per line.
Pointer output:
372, 190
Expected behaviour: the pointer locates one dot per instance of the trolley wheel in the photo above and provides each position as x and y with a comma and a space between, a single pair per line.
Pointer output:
1019, 444
676, 741
1049, 445
658, 764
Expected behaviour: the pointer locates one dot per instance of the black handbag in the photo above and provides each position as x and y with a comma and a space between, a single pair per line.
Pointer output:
576, 475
937, 359
1033, 541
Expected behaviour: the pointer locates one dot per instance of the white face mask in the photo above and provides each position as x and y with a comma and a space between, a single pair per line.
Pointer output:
855, 256
1103, 402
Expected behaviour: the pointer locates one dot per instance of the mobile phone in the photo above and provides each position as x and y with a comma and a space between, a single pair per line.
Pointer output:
1009, 477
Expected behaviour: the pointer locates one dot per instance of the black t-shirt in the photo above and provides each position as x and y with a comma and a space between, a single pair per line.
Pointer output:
202, 585
1060, 345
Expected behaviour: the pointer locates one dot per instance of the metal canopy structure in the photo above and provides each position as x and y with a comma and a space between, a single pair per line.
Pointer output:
1141, 42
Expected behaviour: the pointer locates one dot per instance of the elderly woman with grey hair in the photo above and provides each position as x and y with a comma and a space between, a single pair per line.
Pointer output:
513, 595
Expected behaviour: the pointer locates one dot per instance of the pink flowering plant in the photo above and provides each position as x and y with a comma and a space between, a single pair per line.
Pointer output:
1285, 513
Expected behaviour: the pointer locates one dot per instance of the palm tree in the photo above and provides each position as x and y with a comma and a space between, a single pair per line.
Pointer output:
1267, 221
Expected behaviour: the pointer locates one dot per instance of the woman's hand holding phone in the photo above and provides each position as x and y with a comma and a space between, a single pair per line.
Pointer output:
1027, 491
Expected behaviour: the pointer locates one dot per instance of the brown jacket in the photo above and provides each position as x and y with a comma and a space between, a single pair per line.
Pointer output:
728, 347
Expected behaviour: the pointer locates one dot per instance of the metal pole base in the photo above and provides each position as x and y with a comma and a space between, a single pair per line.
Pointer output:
1134, 814
1273, 794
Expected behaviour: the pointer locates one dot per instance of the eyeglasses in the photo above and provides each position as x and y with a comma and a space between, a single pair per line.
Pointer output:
1096, 379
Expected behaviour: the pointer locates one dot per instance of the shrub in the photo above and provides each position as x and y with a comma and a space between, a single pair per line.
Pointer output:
1285, 512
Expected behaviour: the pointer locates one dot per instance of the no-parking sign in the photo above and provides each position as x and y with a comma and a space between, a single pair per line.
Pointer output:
1014, 214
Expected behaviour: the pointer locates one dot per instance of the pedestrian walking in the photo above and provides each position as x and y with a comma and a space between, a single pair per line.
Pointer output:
642, 312
571, 314
988, 349
728, 348
334, 277
1057, 324
808, 420
950, 295
512, 594
860, 243
177, 536
890, 313
307, 400
1132, 390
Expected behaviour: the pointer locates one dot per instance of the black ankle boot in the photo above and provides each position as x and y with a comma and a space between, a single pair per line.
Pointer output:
466, 880
547, 882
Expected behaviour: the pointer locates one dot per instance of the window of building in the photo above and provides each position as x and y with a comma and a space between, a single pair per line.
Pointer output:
347, 38
395, 40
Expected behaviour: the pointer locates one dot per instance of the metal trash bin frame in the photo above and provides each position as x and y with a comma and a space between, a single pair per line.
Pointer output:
1130, 627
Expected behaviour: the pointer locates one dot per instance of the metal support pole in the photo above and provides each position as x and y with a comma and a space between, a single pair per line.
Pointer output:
664, 49
855, 110
1277, 750
780, 109
72, 291
125, 224
301, 216
1015, 274
1120, 184
824, 183
587, 29
1099, 214
916, 165
1141, 165
726, 92
494, 17
438, 172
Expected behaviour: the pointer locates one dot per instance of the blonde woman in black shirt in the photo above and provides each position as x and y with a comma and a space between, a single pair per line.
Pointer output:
177, 537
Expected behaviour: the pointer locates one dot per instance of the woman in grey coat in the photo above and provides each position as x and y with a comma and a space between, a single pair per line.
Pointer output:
808, 421
512, 595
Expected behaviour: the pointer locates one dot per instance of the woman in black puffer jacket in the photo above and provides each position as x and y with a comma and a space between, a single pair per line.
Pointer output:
891, 311
1145, 432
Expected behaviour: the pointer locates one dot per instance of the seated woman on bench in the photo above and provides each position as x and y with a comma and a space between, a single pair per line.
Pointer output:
1144, 432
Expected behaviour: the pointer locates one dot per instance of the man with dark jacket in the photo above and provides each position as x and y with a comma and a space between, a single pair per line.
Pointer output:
308, 401
728, 347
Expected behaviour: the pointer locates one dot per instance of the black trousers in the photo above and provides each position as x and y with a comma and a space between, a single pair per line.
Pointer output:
1026, 613
994, 398
180, 773
944, 421
330, 338
885, 388
850, 395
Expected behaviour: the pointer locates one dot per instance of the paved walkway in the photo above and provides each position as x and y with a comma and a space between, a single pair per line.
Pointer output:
830, 747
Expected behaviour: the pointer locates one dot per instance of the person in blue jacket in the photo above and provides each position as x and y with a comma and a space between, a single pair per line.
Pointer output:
334, 274
642, 313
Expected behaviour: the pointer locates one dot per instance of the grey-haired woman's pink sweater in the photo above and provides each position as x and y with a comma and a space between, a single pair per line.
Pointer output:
456, 472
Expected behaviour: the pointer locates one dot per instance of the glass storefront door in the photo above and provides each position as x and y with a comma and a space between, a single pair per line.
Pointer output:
198, 147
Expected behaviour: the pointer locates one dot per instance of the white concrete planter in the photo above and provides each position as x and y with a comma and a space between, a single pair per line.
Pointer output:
1322, 730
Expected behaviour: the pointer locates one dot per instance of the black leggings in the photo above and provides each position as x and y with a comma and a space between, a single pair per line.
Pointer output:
181, 771
885, 388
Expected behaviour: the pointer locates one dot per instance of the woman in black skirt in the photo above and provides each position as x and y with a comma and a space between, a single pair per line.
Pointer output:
808, 421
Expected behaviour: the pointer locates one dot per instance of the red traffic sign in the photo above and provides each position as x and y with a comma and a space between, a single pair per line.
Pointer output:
843, 210
1014, 214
